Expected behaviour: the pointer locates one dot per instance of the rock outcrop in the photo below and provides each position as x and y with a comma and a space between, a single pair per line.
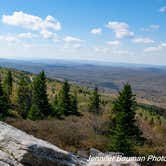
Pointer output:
20, 149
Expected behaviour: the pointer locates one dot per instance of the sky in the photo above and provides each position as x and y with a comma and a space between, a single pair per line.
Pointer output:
127, 31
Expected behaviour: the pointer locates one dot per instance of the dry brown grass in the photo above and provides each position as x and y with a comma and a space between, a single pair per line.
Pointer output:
72, 134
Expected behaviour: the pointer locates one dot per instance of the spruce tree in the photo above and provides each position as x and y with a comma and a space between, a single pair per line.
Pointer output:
24, 95
94, 104
56, 109
124, 132
40, 98
74, 105
64, 104
4, 104
35, 113
119, 140
8, 84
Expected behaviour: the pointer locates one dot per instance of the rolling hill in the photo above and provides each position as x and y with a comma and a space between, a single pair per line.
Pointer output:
148, 82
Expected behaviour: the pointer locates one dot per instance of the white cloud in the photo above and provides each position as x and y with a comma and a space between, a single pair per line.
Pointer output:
72, 39
27, 35
17, 37
9, 38
153, 27
27, 46
158, 48
101, 49
48, 35
77, 45
96, 31
31, 22
143, 40
73, 46
114, 43
153, 49
121, 29
163, 9
108, 50
163, 45
121, 52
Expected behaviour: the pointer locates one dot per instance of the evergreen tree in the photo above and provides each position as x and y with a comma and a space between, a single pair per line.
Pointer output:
4, 104
125, 133
64, 99
119, 140
74, 105
56, 109
65, 103
24, 97
94, 105
35, 113
39, 92
8, 84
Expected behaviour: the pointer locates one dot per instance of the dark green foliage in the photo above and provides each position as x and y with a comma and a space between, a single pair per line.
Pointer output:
4, 104
125, 133
154, 109
56, 109
94, 104
64, 99
35, 113
74, 105
103, 102
8, 84
39, 93
159, 120
140, 114
24, 97
65, 103
120, 140
151, 122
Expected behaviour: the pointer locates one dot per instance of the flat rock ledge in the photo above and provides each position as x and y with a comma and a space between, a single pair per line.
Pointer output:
20, 149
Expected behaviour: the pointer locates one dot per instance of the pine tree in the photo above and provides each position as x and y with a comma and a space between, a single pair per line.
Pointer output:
24, 95
39, 92
4, 104
74, 105
56, 109
35, 113
94, 105
65, 104
8, 84
64, 99
119, 140
125, 133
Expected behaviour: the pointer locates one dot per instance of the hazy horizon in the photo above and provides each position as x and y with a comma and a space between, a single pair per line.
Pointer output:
83, 62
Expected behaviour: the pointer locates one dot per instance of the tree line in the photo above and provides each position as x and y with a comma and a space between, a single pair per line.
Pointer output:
32, 98
33, 103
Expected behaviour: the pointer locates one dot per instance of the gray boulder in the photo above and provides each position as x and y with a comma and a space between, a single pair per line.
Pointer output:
20, 149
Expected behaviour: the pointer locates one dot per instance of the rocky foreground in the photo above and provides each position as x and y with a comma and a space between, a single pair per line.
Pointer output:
20, 149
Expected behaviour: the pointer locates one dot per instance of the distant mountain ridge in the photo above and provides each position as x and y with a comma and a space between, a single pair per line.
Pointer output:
79, 62
148, 82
